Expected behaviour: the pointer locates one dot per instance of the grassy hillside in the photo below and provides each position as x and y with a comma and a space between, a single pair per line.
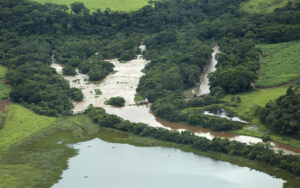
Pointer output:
246, 109
280, 64
263, 6
20, 124
249, 100
123, 5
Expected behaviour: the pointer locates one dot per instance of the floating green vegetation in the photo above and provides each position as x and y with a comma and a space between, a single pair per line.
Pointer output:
280, 63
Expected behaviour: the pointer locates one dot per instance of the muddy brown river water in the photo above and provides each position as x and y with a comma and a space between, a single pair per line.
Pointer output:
124, 83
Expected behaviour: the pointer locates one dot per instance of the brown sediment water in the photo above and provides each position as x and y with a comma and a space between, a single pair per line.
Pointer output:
204, 83
209, 134
124, 83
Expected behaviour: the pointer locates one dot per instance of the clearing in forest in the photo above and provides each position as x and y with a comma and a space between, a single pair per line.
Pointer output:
121, 5
280, 63
263, 6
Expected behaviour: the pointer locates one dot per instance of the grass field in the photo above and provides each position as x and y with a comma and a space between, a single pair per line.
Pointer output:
20, 124
254, 98
122, 5
246, 108
281, 63
263, 6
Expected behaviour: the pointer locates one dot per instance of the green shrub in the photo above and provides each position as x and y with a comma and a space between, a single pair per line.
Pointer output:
69, 70
116, 101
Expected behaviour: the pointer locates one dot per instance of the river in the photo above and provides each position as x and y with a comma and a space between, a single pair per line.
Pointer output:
204, 83
104, 164
124, 83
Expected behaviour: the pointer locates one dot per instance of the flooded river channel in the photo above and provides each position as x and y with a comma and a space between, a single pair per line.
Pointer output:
124, 83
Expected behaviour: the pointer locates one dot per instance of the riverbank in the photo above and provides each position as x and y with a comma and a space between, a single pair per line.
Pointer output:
124, 83
44, 153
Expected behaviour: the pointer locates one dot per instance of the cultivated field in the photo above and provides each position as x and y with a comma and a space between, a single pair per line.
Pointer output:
280, 64
122, 5
263, 6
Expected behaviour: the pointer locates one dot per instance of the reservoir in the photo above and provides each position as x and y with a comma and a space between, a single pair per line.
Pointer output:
114, 165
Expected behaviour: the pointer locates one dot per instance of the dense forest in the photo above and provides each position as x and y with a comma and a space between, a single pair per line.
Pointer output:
283, 114
178, 35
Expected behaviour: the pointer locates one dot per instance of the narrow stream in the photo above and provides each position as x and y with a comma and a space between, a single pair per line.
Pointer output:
113, 165
223, 114
124, 83
204, 84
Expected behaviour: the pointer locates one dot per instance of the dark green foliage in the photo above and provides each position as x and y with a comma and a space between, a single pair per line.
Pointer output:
258, 152
213, 123
169, 108
69, 70
237, 67
266, 138
283, 115
178, 35
76, 94
116, 101
78, 7
38, 87
204, 101
97, 70
232, 80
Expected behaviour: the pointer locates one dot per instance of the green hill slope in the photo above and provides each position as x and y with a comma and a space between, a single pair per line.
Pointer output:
263, 6
280, 64
123, 5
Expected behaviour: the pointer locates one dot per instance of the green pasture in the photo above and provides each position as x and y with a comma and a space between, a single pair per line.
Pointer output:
121, 5
246, 109
280, 63
263, 6
20, 124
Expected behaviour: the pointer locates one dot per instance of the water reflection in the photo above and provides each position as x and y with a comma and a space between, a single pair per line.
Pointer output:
103, 164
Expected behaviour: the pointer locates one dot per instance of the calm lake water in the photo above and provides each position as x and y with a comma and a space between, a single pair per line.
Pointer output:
113, 165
